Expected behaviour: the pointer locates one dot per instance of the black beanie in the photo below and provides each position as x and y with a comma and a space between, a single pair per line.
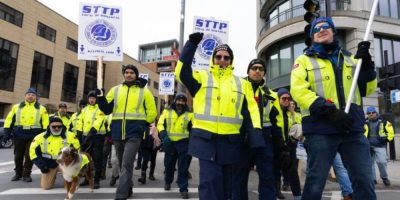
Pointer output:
92, 93
55, 119
256, 61
132, 67
223, 47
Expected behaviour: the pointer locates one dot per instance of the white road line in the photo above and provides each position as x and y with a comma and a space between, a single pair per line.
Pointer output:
6, 163
30, 191
336, 195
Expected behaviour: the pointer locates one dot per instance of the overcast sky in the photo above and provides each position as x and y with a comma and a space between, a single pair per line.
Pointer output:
147, 21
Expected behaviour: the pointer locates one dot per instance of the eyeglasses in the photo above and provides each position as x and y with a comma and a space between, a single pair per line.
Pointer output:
370, 113
286, 98
58, 126
261, 69
219, 57
318, 29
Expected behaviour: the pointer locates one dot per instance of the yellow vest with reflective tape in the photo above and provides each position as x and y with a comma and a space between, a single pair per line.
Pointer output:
92, 116
177, 126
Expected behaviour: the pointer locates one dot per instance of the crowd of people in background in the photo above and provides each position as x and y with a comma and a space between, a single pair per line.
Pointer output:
235, 125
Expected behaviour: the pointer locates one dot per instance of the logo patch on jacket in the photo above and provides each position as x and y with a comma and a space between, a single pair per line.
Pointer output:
295, 66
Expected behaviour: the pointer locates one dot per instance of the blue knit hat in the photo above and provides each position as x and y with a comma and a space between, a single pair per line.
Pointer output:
283, 91
371, 109
31, 90
322, 19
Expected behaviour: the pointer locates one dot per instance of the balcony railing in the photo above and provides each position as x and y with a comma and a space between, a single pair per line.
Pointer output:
300, 11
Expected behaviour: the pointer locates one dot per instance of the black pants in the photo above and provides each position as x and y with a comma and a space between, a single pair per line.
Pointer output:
94, 146
149, 154
291, 171
22, 161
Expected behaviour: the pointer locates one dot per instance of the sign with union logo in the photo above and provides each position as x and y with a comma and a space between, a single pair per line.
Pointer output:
167, 83
100, 32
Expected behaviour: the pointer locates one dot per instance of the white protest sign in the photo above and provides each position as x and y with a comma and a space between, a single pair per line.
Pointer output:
100, 32
167, 83
215, 33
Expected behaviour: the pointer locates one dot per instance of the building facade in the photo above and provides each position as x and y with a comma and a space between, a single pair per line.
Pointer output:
38, 48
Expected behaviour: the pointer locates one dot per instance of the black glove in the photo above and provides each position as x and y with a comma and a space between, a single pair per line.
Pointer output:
341, 119
100, 92
7, 134
363, 53
285, 162
45, 170
196, 38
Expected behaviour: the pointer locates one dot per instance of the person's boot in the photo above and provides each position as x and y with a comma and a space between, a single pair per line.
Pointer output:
151, 175
113, 180
185, 195
279, 194
386, 181
16, 177
167, 186
97, 176
27, 179
142, 178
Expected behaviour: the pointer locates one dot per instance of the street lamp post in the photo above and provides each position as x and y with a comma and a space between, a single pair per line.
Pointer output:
181, 87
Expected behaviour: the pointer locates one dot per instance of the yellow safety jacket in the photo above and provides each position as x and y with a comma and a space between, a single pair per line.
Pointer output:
27, 119
313, 77
92, 116
74, 122
266, 120
64, 119
218, 103
51, 145
132, 103
385, 129
293, 118
176, 126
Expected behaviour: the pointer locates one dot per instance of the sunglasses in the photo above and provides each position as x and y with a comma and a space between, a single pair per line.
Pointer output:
370, 113
318, 29
261, 69
219, 57
55, 127
286, 98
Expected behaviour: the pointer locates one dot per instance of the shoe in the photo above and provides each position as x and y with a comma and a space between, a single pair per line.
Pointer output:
109, 165
96, 185
113, 180
16, 177
286, 187
142, 179
137, 167
151, 177
189, 175
375, 182
348, 197
84, 183
27, 179
386, 181
279, 195
130, 192
185, 195
103, 175
167, 186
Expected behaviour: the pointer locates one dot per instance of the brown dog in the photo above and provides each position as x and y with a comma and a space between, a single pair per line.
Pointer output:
73, 166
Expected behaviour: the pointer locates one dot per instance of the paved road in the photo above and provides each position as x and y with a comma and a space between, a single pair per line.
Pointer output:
152, 190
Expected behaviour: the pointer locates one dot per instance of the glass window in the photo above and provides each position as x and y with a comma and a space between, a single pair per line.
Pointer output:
91, 76
298, 49
285, 60
387, 46
273, 18
384, 8
155, 85
41, 73
378, 52
11, 15
8, 64
70, 83
298, 9
149, 55
396, 51
149, 82
274, 65
72, 44
394, 8
284, 12
46, 32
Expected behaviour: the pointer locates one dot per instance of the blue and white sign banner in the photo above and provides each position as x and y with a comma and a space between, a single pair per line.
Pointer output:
395, 96
100, 32
167, 83
144, 76
215, 33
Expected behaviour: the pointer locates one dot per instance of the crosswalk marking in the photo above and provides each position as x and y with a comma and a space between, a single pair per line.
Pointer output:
30, 191
6, 163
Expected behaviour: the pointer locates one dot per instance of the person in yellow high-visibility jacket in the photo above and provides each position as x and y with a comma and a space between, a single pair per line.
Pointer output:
62, 113
75, 122
320, 83
26, 120
93, 134
133, 108
379, 132
174, 127
46, 146
222, 104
